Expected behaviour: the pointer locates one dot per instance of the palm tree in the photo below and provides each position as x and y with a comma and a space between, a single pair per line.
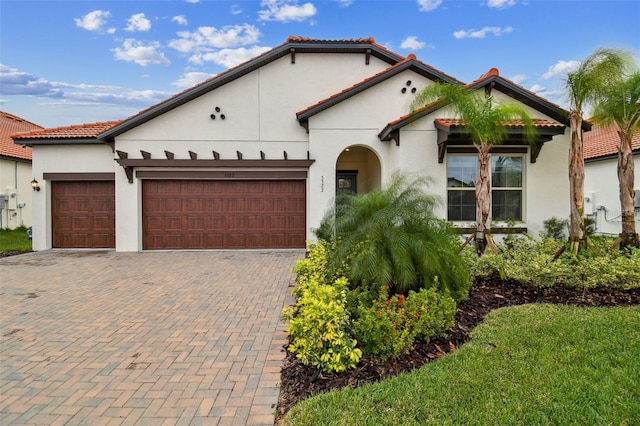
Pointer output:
584, 86
487, 123
619, 105
391, 236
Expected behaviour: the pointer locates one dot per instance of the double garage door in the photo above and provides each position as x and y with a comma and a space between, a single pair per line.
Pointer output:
205, 214
185, 214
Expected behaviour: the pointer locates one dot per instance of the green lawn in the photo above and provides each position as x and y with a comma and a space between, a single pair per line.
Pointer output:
525, 365
14, 240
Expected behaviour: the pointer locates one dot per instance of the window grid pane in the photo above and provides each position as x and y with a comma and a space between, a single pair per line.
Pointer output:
507, 179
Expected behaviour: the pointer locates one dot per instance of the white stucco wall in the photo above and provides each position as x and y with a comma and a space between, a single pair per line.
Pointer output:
602, 187
260, 115
62, 159
15, 183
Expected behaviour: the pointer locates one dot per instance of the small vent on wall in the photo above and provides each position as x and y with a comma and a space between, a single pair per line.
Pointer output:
636, 202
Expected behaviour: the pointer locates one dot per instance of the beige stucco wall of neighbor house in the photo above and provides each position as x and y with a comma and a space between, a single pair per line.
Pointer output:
15, 184
62, 159
260, 115
601, 186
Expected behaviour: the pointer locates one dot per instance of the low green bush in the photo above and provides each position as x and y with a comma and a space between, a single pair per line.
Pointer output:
392, 325
531, 261
319, 327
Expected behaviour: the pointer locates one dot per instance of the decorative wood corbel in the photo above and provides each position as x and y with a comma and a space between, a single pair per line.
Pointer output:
193, 155
169, 155
146, 155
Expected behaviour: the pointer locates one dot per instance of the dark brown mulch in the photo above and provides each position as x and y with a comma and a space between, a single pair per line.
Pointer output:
299, 382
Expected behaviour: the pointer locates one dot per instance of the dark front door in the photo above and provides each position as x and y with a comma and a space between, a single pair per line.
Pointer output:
347, 182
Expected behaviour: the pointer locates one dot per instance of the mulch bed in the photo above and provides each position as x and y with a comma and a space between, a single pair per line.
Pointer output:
299, 382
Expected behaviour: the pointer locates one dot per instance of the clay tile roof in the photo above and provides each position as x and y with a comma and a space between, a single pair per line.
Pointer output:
78, 131
9, 124
604, 141
537, 122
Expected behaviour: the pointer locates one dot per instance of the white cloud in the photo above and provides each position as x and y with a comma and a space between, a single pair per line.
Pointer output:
180, 19
345, 3
94, 21
560, 68
518, 78
135, 51
497, 31
285, 11
429, 5
209, 38
15, 82
412, 43
138, 22
229, 57
236, 9
501, 4
190, 79
192, 1
537, 88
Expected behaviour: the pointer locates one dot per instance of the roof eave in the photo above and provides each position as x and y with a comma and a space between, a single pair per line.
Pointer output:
58, 141
413, 65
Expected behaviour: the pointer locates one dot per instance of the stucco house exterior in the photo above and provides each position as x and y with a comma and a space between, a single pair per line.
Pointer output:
253, 157
601, 186
15, 173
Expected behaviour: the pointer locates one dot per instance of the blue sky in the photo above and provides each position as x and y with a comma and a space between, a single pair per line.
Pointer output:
73, 62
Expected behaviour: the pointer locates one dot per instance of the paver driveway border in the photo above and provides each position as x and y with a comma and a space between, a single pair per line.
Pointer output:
185, 337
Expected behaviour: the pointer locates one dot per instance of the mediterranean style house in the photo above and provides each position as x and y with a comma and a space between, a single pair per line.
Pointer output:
601, 186
15, 173
253, 157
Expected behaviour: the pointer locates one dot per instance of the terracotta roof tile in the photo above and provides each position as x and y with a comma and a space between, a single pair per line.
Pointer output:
537, 122
9, 124
79, 131
602, 142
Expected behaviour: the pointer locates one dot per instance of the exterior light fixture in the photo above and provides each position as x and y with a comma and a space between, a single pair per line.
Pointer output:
35, 185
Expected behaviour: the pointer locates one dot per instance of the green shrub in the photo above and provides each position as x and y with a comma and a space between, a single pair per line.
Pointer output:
319, 327
555, 228
392, 325
532, 262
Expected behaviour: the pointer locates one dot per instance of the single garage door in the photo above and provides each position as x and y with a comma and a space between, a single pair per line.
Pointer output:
83, 214
210, 214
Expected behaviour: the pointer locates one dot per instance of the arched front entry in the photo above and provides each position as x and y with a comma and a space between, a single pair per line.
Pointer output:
357, 170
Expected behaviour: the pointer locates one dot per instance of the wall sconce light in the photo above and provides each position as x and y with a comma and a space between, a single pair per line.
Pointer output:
35, 185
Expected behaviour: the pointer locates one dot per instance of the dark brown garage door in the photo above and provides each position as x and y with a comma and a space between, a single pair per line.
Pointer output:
208, 214
83, 214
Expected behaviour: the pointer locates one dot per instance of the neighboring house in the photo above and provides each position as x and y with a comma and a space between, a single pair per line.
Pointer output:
601, 185
15, 173
253, 157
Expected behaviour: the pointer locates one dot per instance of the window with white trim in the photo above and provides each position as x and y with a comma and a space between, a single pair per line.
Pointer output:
507, 187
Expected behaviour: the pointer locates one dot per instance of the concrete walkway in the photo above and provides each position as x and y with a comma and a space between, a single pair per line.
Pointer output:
98, 337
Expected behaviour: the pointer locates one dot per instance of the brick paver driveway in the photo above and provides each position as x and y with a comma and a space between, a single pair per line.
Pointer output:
98, 337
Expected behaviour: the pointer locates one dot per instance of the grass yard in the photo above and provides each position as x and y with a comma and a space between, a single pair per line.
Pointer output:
534, 364
14, 240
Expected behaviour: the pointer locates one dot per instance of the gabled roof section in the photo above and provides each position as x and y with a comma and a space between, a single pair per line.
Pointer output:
602, 143
409, 63
293, 45
9, 124
77, 134
488, 82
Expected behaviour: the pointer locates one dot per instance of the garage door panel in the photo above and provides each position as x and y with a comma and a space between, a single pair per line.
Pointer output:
225, 214
83, 214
